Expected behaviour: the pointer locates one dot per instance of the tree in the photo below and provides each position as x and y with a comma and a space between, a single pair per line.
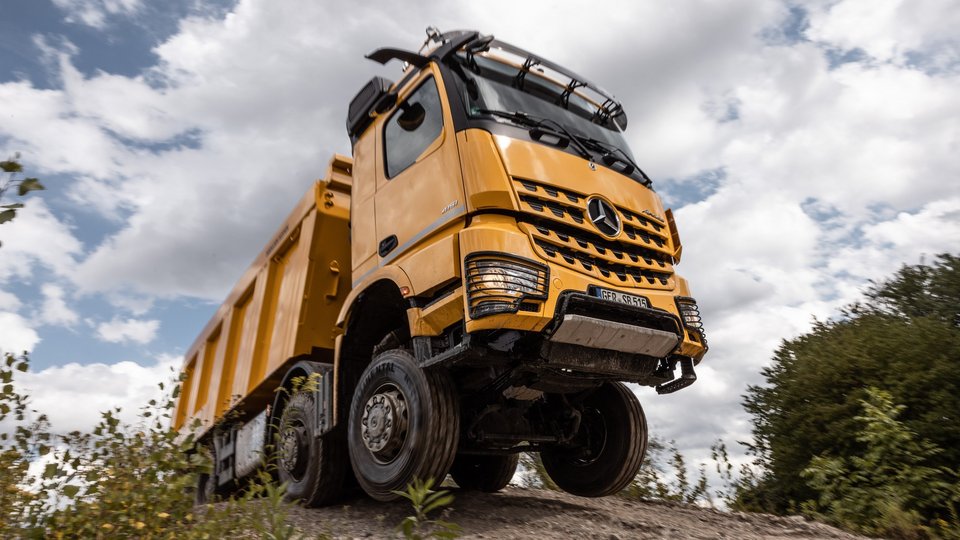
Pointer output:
888, 489
903, 338
13, 171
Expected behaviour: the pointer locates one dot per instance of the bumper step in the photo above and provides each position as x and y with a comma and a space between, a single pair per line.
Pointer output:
687, 377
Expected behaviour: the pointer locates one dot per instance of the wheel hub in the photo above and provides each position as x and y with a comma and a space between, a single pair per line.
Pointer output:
293, 448
594, 436
383, 426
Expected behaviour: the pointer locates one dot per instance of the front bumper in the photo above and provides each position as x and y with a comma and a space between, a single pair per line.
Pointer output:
567, 290
596, 333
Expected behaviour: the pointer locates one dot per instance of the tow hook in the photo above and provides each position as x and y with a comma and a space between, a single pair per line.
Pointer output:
687, 377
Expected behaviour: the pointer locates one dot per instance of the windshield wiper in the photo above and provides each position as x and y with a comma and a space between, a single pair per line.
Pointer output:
608, 151
554, 128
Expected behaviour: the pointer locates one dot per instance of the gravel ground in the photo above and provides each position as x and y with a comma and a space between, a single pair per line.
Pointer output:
528, 513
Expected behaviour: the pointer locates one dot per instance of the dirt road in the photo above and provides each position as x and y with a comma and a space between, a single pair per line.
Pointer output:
527, 513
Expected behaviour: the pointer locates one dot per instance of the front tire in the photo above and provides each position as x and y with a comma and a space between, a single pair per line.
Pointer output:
404, 424
489, 474
613, 439
312, 467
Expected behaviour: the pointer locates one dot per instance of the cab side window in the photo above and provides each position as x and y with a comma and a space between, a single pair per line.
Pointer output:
411, 129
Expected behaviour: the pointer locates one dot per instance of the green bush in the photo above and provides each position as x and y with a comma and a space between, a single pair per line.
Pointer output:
890, 488
117, 480
904, 337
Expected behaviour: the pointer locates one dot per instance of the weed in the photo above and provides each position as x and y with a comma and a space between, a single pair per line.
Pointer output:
425, 500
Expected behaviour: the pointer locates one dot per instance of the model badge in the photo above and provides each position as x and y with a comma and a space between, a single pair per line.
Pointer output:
449, 207
603, 216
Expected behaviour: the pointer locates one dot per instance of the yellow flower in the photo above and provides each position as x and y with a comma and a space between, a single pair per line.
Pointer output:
163, 515
139, 525
106, 526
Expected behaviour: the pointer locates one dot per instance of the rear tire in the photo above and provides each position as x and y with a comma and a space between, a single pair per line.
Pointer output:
613, 432
312, 467
205, 490
484, 473
404, 424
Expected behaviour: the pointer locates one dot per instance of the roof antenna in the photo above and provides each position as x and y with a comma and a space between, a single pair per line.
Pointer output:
433, 34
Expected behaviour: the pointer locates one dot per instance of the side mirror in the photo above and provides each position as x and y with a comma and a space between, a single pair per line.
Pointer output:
385, 102
358, 114
412, 116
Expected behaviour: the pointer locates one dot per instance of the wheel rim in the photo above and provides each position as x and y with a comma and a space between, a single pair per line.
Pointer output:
293, 449
595, 427
384, 423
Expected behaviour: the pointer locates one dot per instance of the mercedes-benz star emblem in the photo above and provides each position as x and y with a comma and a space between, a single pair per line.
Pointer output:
603, 216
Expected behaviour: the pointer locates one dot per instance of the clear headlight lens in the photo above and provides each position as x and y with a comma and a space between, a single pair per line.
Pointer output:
500, 283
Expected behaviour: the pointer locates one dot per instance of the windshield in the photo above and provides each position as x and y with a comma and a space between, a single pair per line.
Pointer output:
488, 85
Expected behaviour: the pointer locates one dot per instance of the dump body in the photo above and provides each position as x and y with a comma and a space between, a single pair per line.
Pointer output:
285, 306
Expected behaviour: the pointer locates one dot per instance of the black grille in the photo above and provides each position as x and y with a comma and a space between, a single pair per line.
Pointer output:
622, 271
557, 209
556, 220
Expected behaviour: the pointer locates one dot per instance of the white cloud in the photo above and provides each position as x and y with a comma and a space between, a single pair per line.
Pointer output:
9, 301
36, 238
832, 174
890, 30
16, 334
128, 330
907, 238
218, 82
96, 12
54, 310
74, 395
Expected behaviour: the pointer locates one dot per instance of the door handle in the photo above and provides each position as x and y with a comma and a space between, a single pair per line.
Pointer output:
387, 245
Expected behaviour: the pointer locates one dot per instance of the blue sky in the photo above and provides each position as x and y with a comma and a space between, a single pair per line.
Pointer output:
121, 45
806, 148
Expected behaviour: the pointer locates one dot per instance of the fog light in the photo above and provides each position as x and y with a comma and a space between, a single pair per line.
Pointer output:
500, 283
690, 313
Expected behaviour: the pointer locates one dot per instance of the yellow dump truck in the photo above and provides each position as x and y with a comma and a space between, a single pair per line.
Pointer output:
479, 280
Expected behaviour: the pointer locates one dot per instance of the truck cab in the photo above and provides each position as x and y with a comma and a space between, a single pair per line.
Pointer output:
497, 204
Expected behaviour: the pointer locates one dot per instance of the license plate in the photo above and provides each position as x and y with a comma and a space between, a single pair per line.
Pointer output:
620, 297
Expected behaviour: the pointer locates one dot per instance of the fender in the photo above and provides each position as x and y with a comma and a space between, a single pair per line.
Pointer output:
323, 395
391, 273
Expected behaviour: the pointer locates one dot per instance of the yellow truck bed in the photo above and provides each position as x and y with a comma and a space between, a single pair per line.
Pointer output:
284, 306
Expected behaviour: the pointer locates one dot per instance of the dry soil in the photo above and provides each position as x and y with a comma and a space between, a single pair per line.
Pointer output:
529, 513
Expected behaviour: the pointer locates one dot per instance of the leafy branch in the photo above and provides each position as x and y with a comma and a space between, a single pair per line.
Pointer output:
14, 180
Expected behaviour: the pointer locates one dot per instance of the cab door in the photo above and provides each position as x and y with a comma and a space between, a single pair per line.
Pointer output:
419, 185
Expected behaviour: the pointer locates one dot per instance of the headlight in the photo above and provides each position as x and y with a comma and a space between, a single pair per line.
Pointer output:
500, 283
